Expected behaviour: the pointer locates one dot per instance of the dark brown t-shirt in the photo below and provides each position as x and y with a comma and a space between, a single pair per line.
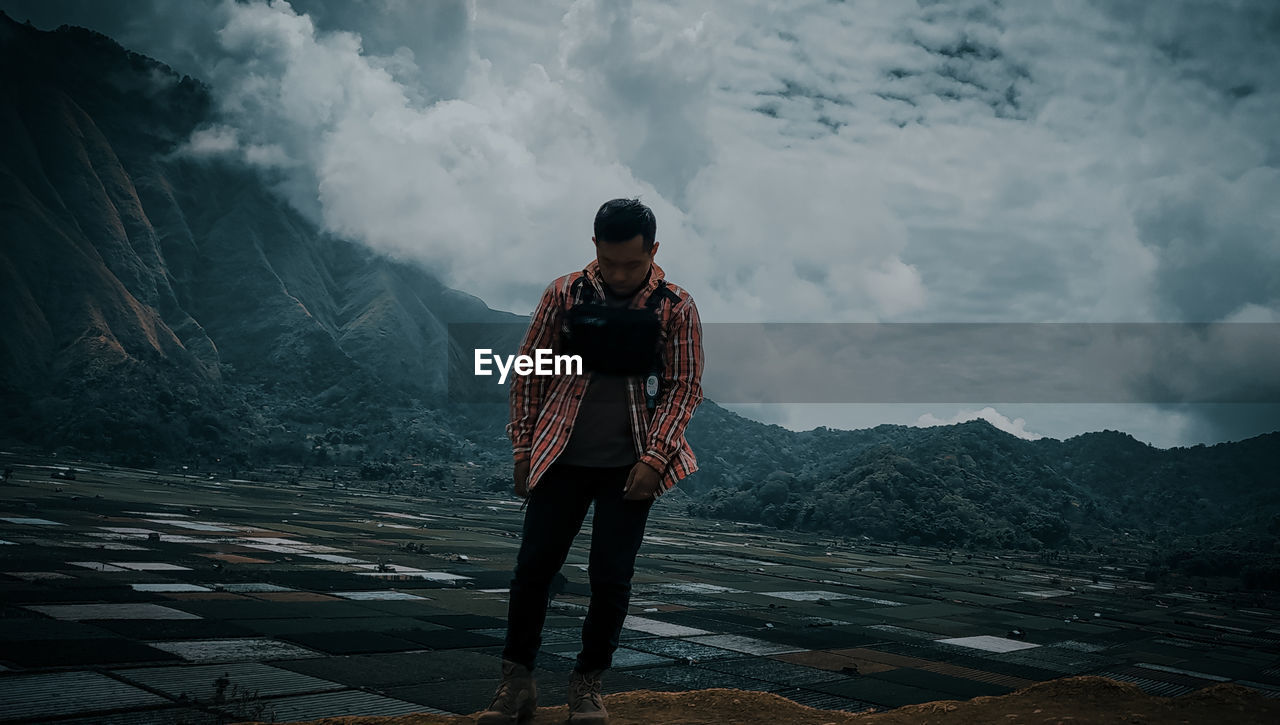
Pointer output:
601, 435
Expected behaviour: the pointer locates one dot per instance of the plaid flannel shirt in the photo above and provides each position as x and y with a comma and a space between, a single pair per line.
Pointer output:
543, 408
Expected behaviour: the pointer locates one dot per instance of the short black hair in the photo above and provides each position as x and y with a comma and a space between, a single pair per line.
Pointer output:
620, 220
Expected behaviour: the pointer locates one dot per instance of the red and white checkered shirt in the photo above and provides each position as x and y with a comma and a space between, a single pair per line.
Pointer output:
543, 408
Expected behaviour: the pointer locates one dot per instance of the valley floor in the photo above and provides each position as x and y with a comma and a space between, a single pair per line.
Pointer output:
180, 597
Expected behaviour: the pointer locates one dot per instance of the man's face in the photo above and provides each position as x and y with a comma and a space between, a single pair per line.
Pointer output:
624, 264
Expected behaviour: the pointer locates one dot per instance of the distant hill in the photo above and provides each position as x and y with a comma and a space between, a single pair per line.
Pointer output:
1204, 511
160, 308
157, 305
973, 485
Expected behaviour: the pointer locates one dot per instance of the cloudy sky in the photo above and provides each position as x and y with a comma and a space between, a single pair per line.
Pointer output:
874, 161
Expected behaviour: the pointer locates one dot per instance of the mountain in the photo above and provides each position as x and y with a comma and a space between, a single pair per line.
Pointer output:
159, 304
971, 484
1208, 511
163, 308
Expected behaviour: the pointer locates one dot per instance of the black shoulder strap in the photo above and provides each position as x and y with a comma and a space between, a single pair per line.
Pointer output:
581, 284
663, 292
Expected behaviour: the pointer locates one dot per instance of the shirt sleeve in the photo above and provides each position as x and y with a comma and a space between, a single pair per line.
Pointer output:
682, 383
526, 391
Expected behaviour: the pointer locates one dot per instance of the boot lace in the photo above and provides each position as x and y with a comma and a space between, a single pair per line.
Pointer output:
587, 687
504, 698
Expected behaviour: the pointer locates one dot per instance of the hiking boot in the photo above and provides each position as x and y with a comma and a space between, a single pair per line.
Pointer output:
516, 698
586, 704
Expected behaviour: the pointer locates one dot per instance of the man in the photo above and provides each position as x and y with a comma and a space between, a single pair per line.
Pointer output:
612, 439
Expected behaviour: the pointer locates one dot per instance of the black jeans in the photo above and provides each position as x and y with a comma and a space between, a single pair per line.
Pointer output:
557, 507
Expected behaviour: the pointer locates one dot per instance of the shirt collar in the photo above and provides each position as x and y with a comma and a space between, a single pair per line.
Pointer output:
592, 271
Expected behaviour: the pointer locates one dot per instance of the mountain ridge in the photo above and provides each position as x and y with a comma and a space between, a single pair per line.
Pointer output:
127, 259
171, 307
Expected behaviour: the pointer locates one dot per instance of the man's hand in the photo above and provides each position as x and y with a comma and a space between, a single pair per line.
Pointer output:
522, 479
642, 483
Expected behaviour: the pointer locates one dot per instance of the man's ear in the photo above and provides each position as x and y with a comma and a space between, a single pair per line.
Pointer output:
653, 252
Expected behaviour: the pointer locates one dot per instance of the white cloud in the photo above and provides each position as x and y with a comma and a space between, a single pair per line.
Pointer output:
651, 70
1017, 426
1256, 313
1159, 426
212, 141
808, 161
862, 161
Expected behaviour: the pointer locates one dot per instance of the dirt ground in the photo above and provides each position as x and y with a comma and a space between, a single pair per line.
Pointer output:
1071, 700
